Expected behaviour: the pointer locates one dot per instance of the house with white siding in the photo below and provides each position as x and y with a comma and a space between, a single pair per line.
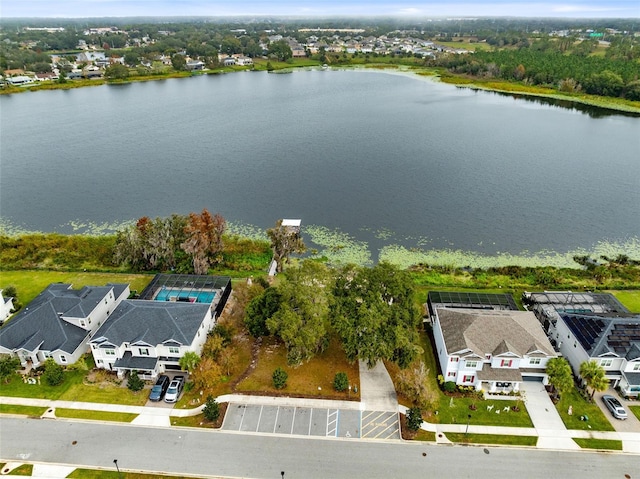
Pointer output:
492, 350
59, 322
6, 306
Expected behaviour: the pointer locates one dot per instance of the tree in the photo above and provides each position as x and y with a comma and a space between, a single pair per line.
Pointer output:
260, 309
341, 382
189, 361
285, 241
8, 366
280, 50
206, 374
413, 383
116, 71
594, 376
53, 373
178, 62
131, 59
414, 418
211, 409
375, 315
134, 383
302, 320
204, 239
560, 375
279, 378
11, 292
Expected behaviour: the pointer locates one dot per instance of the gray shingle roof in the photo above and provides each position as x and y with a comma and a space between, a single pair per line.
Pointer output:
128, 361
40, 323
492, 332
152, 322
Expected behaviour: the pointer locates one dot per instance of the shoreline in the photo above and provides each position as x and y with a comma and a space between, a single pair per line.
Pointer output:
435, 74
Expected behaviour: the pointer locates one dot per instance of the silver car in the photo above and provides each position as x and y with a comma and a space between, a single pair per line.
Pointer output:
174, 390
614, 406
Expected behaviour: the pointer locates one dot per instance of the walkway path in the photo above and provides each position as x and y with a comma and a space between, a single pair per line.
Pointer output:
377, 392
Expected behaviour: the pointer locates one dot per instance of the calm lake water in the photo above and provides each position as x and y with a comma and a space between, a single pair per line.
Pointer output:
373, 160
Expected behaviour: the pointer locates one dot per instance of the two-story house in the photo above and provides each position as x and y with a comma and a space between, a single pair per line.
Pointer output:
6, 306
151, 336
59, 322
493, 350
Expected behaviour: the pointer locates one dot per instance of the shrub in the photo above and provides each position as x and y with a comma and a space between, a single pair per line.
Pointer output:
211, 409
414, 418
280, 377
8, 366
53, 373
341, 382
134, 383
450, 386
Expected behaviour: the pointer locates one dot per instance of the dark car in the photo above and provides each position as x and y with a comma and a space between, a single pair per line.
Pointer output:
175, 388
160, 388
614, 406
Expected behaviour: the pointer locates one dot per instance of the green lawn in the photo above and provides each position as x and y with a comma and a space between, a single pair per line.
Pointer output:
581, 407
17, 388
635, 410
630, 299
30, 283
23, 470
611, 444
96, 474
22, 410
425, 436
456, 410
492, 439
95, 415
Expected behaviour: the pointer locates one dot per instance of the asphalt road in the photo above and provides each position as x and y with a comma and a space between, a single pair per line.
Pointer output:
225, 454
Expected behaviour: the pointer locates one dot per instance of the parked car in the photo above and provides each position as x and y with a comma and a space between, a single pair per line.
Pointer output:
175, 388
614, 406
158, 391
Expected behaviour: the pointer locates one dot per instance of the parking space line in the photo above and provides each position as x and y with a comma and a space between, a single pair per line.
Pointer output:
259, 417
330, 421
293, 419
395, 425
310, 420
276, 423
244, 410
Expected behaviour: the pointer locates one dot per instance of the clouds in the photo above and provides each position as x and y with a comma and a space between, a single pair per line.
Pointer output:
430, 8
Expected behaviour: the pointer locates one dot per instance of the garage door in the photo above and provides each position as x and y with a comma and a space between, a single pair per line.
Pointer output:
535, 379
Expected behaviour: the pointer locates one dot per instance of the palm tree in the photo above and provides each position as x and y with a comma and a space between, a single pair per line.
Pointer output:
594, 376
189, 361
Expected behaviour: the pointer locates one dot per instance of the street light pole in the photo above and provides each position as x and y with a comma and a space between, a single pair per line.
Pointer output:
115, 461
468, 420
282, 473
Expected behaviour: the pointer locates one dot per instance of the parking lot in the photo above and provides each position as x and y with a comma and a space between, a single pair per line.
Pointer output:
345, 423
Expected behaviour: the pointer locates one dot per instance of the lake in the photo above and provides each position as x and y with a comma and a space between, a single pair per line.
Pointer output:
376, 165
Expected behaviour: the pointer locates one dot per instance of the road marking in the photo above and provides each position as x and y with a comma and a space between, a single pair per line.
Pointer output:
276, 423
244, 409
394, 425
330, 422
293, 419
310, 420
259, 417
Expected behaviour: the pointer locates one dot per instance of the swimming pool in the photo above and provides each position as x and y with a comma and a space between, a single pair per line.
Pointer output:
176, 294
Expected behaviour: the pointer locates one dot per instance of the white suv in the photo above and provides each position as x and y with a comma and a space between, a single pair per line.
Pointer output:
174, 390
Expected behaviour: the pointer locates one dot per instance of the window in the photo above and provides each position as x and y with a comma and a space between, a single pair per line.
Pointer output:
605, 363
99, 361
454, 360
487, 357
468, 379
451, 374
63, 358
143, 351
534, 360
471, 364
105, 301
636, 367
82, 323
506, 363
110, 352
174, 350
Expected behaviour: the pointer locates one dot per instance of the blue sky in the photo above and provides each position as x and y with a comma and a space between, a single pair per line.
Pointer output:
428, 8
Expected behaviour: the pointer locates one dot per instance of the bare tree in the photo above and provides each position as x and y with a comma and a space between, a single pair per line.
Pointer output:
204, 239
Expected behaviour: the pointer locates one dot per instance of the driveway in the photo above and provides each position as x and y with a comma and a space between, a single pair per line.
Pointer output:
377, 392
545, 418
631, 424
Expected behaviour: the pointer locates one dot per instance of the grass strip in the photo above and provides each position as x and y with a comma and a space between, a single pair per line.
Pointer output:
607, 444
22, 410
581, 407
23, 470
97, 474
492, 439
95, 415
422, 435
635, 410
